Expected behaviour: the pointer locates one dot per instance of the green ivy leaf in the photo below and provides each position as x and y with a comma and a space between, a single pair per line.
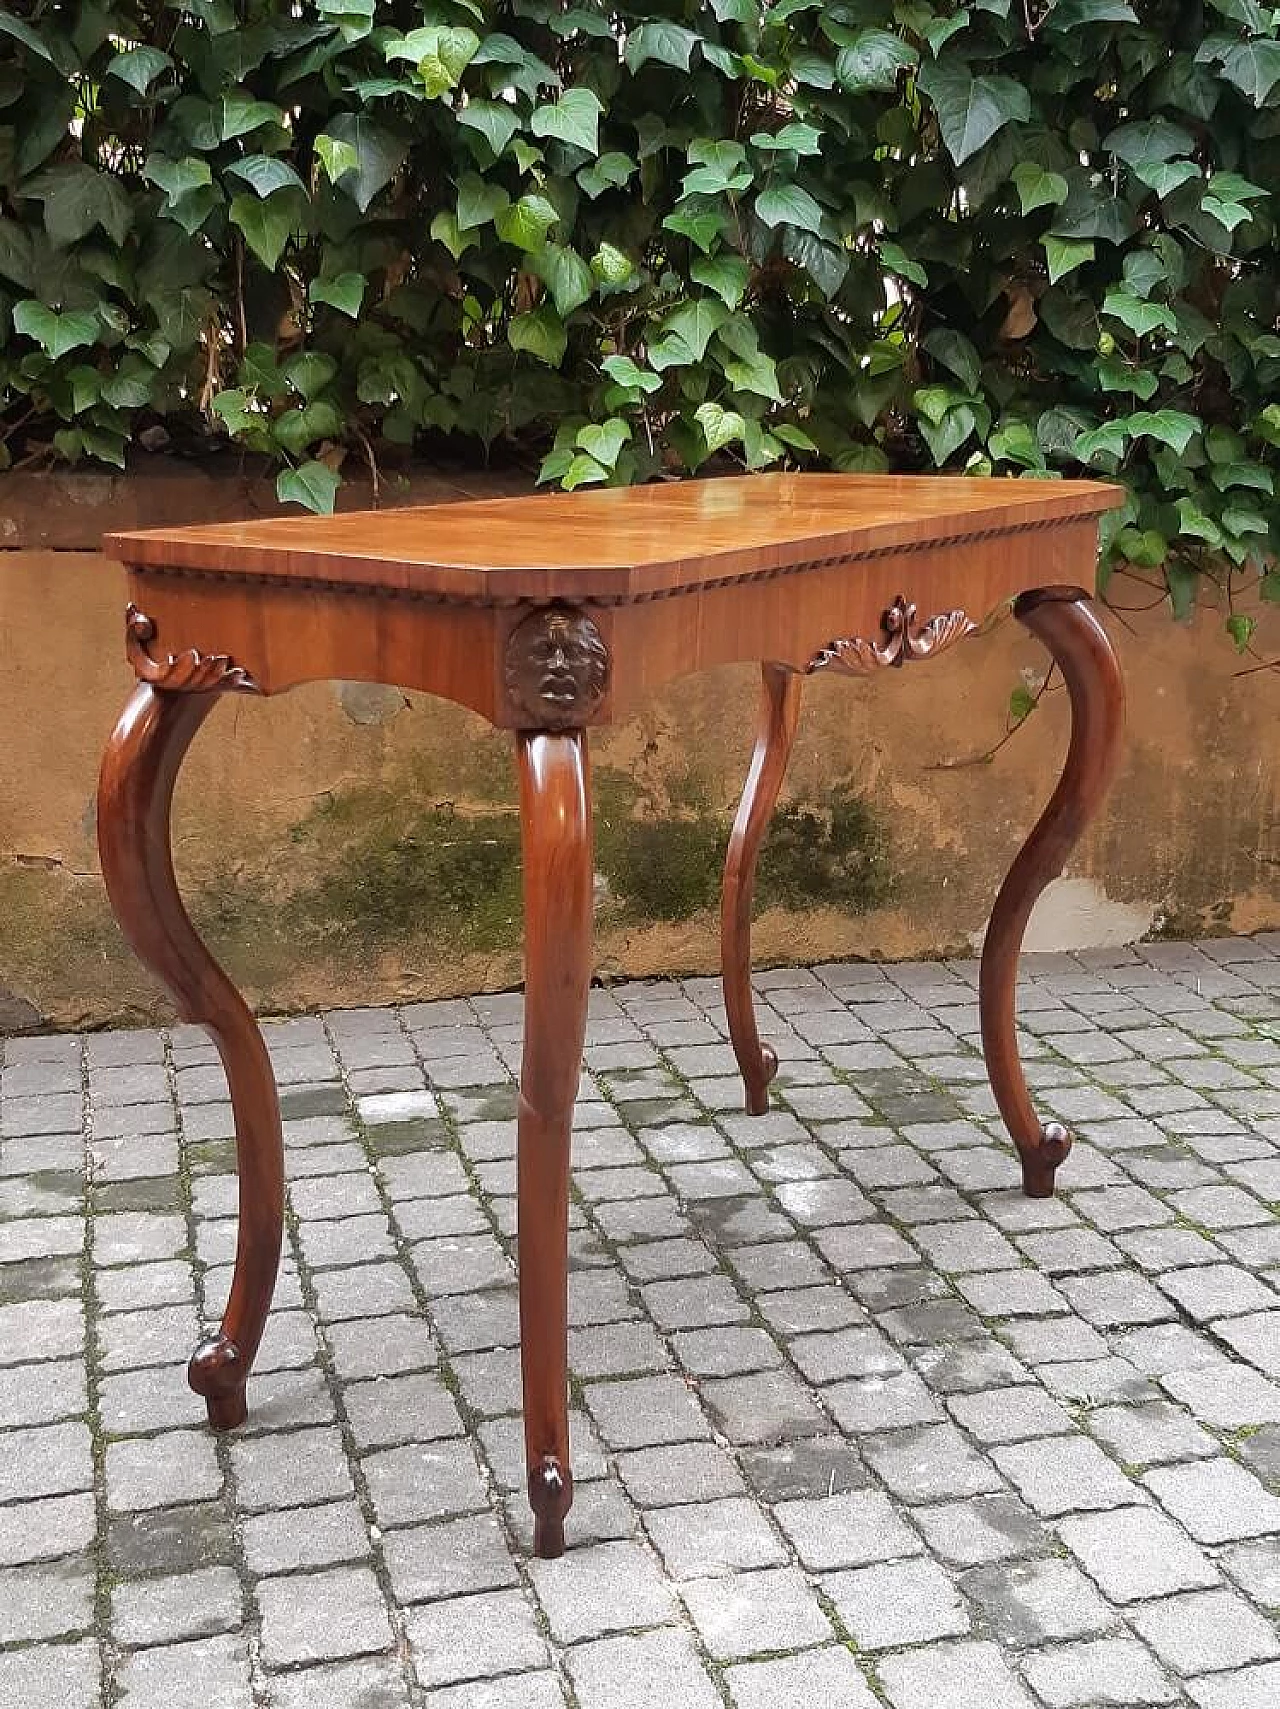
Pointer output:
1037, 187
139, 67
726, 275
610, 172
1193, 522
693, 323
581, 470
1166, 177
1149, 141
541, 333
1145, 547
267, 224
604, 440
720, 427
873, 62
314, 486
525, 223
497, 122
177, 178
479, 202
379, 152
344, 292
789, 204
574, 119
701, 227
900, 263
297, 430
971, 109
611, 265
309, 372
798, 136
956, 353
265, 174
243, 113
337, 158
1140, 317
667, 43
1171, 427
624, 372
56, 334
566, 275
1064, 254
1240, 627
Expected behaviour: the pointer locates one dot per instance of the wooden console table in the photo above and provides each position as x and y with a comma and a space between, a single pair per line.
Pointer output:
549, 615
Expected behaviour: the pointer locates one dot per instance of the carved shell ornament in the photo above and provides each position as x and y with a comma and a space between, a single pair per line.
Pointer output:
905, 637
181, 673
557, 668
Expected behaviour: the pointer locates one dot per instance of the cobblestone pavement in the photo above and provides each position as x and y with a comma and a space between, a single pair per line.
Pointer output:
853, 1419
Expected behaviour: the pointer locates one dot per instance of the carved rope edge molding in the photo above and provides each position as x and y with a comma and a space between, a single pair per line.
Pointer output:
189, 672
905, 638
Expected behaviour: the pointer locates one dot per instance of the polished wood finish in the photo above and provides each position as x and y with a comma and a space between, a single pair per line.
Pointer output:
135, 796
548, 615
620, 544
1060, 617
555, 816
779, 715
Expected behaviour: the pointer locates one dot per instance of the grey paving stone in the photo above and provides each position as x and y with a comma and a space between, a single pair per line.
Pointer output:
164, 1610
1251, 1688
421, 1481
609, 1587
680, 1473
1217, 1290
710, 1539
42, 1392
541, 1690
817, 1679
985, 1529
1255, 1567
636, 1671
849, 1530
1218, 1501
303, 1537
49, 1676
52, 1459
902, 1602
454, 1558
930, 1464
1064, 1475
1002, 1415
1135, 1552
763, 1407
1036, 1602
374, 1680
963, 1676
1226, 1393
1152, 1434
1206, 1631
645, 1412
322, 1616
752, 1614
290, 1469
474, 1637
45, 1601
161, 1471
1099, 1674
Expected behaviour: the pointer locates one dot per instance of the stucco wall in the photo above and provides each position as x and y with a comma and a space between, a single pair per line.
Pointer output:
346, 843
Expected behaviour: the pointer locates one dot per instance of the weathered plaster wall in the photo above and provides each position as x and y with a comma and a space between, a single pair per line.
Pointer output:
348, 843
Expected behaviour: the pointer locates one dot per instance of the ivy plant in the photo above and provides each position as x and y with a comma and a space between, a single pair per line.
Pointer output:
1028, 237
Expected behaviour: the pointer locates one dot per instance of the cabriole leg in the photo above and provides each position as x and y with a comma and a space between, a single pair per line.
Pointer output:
555, 819
1064, 620
779, 712
135, 795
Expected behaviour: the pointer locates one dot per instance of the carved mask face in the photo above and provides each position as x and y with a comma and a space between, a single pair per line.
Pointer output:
557, 666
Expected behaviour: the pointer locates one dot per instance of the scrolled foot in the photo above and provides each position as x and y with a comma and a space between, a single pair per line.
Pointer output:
1063, 620
1040, 1161
755, 1084
779, 712
218, 1371
550, 1497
